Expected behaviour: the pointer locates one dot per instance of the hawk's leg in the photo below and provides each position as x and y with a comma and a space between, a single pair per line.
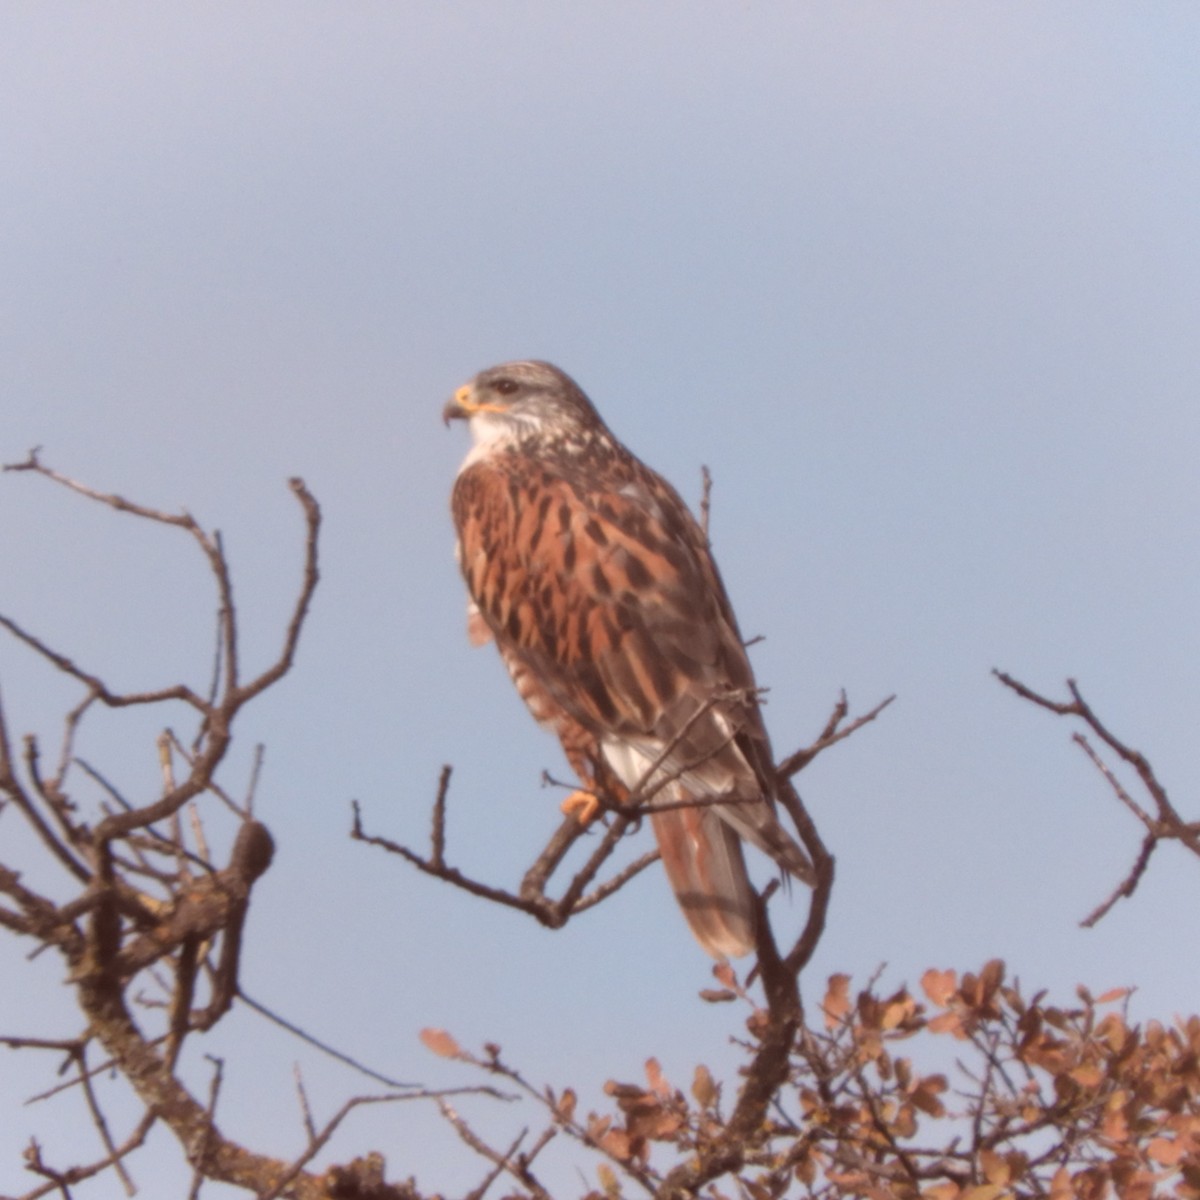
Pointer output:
596, 780
583, 805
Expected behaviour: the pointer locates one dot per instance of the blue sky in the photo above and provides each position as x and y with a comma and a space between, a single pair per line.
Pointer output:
919, 282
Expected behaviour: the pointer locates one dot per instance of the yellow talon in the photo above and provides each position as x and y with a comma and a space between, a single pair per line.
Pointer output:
583, 805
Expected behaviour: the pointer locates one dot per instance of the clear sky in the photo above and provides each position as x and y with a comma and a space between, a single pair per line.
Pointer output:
919, 282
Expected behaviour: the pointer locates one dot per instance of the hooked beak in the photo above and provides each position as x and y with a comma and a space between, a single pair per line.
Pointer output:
464, 405
460, 406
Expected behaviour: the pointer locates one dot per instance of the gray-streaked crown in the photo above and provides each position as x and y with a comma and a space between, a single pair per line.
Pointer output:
532, 384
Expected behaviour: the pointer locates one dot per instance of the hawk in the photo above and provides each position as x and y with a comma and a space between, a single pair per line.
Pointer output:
597, 585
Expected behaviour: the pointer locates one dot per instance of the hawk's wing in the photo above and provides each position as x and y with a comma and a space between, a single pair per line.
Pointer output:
605, 592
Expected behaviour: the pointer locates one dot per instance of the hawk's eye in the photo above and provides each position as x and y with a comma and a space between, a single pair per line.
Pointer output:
506, 387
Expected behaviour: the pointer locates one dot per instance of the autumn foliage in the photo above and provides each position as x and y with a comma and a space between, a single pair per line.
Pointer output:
1030, 1100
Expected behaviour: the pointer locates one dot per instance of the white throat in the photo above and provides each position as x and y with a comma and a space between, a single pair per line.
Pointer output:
492, 432
489, 432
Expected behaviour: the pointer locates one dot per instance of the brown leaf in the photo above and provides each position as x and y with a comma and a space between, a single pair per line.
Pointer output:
1088, 1076
715, 996
995, 1167
1060, 1185
653, 1121
566, 1105
805, 1170
1115, 1125
654, 1076
948, 1022
617, 1143
441, 1043
837, 1000
1135, 1184
1165, 1151
897, 1012
942, 1191
1091, 1184
756, 1190
1048, 1053
1112, 1032
985, 1191
926, 1095
597, 1126
990, 978
704, 1088
724, 975
940, 986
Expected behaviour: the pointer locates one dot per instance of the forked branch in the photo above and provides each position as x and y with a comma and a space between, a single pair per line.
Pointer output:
154, 924
1162, 821
624, 812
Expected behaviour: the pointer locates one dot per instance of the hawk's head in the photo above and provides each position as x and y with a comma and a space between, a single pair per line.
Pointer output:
523, 402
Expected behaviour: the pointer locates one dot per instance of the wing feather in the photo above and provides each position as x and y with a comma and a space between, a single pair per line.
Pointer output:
576, 580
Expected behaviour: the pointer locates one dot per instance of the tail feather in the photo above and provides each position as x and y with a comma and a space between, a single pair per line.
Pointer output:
759, 825
702, 857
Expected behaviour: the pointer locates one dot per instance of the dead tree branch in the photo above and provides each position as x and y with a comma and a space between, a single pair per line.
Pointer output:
150, 908
625, 810
1162, 824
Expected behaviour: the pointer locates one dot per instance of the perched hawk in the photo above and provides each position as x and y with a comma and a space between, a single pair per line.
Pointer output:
599, 589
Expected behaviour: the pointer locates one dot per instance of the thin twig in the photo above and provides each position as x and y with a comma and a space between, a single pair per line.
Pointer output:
310, 1129
308, 586
98, 1119
1167, 825
1128, 885
317, 1144
214, 1092
324, 1047
706, 484
830, 736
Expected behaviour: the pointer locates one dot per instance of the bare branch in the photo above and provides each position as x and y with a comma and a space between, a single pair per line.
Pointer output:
99, 1120
11, 786
318, 1044
318, 1143
532, 897
214, 1093
830, 735
505, 1161
1166, 825
706, 484
283, 664
98, 690
124, 931
1127, 886
58, 1181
